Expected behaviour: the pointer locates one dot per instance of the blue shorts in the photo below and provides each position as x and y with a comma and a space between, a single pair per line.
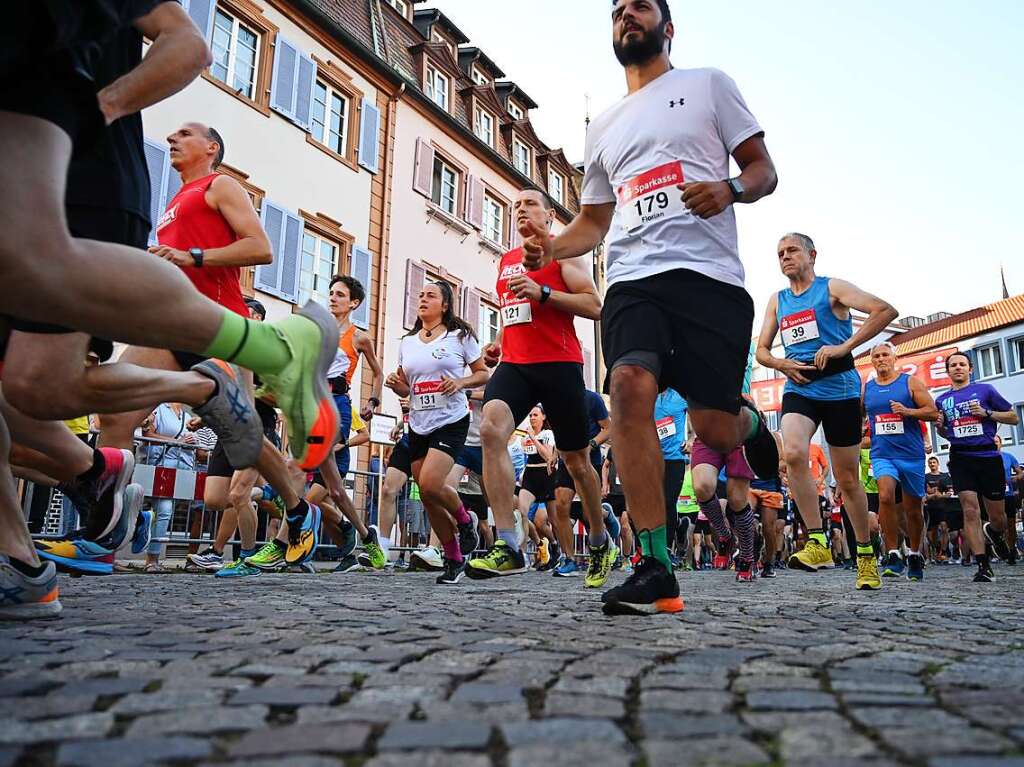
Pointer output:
342, 457
471, 458
910, 474
533, 511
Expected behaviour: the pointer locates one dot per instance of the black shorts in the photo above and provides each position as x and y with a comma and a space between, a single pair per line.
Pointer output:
702, 527
449, 439
400, 457
539, 484
690, 331
557, 386
872, 502
1012, 505
618, 504
840, 419
475, 503
219, 465
978, 474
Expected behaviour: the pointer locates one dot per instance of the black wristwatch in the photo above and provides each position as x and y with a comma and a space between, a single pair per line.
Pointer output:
736, 187
374, 401
545, 293
197, 256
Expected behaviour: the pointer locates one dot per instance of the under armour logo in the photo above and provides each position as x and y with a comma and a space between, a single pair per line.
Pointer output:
681, 102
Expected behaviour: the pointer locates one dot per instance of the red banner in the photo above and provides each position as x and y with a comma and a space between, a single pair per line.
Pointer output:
930, 367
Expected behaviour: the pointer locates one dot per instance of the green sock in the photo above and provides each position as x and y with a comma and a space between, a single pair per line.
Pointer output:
819, 536
655, 544
253, 345
755, 423
865, 550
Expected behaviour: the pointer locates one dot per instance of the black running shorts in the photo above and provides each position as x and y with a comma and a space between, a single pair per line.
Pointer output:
400, 457
840, 419
538, 483
448, 439
557, 386
977, 474
219, 465
698, 328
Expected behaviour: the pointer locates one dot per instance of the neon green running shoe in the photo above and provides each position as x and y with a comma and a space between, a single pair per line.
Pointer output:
238, 569
372, 555
300, 389
500, 560
270, 557
601, 560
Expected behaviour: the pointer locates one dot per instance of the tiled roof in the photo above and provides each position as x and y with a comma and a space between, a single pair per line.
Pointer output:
960, 326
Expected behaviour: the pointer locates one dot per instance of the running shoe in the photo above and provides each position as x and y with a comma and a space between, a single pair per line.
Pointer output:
567, 568
300, 388
915, 567
554, 556
372, 556
302, 546
238, 569
767, 570
894, 566
453, 572
600, 565
270, 557
230, 415
984, 574
677, 563
131, 503
348, 564
868, 578
501, 559
649, 590
401, 564
812, 557
744, 571
351, 538
996, 541
102, 499
469, 535
143, 531
426, 559
761, 450
207, 559
543, 556
77, 555
613, 525
24, 597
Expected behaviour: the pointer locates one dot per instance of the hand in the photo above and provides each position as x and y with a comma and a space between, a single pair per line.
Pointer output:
175, 256
793, 370
188, 439
898, 408
367, 411
106, 102
450, 386
605, 490
536, 246
194, 424
396, 381
826, 353
706, 199
978, 411
492, 354
524, 287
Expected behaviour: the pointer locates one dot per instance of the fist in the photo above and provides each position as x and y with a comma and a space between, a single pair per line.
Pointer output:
706, 199
492, 355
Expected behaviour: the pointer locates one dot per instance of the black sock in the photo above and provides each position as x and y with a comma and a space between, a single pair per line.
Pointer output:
99, 465
299, 511
281, 545
983, 562
26, 569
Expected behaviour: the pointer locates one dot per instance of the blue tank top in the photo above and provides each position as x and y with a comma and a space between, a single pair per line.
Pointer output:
807, 323
892, 438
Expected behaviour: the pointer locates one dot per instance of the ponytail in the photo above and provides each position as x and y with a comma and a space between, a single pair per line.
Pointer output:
449, 319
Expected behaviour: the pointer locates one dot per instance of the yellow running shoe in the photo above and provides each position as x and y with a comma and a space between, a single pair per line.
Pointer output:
543, 557
601, 560
812, 557
868, 578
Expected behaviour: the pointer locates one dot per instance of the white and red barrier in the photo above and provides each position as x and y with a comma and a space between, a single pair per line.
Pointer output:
178, 484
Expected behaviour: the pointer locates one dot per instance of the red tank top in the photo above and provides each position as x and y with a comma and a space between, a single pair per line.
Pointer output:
188, 223
535, 332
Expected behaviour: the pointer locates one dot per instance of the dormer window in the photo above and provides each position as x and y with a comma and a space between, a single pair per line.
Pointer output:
480, 77
483, 126
400, 6
437, 37
437, 88
556, 187
515, 111
522, 157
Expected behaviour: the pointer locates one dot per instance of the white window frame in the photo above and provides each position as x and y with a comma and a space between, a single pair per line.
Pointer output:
437, 37
489, 324
1016, 355
232, 51
1019, 408
438, 190
994, 349
494, 220
554, 176
434, 79
318, 293
400, 6
485, 134
331, 93
479, 77
515, 111
516, 145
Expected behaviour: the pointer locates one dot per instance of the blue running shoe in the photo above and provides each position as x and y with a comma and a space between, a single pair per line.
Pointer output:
143, 531
77, 555
915, 567
614, 528
567, 568
308, 539
893, 566
348, 545
238, 569
131, 503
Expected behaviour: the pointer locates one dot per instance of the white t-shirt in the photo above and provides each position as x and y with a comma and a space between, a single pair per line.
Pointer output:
425, 365
681, 127
546, 437
473, 436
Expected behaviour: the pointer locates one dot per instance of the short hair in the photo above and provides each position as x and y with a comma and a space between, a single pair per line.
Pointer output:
257, 307
970, 364
890, 344
666, 12
214, 135
805, 242
356, 291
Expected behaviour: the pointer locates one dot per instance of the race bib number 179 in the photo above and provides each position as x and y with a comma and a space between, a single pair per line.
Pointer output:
651, 197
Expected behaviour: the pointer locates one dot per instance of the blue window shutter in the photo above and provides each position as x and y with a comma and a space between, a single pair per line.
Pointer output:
369, 128
202, 13
304, 83
282, 84
157, 163
291, 257
268, 276
362, 270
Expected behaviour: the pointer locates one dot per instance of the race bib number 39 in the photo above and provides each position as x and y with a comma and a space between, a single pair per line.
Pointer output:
799, 327
967, 427
427, 395
651, 197
888, 424
666, 427
518, 313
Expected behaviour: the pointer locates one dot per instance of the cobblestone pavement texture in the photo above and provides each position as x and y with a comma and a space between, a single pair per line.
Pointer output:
365, 669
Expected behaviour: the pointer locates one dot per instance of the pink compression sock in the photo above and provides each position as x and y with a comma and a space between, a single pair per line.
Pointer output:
452, 550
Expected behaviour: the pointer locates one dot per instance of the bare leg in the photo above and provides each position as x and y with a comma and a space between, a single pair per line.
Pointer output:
973, 535
887, 514
68, 456
641, 467
440, 500
394, 481
240, 500
118, 429
15, 541
996, 514
846, 466
915, 522
563, 521
499, 474
797, 431
588, 487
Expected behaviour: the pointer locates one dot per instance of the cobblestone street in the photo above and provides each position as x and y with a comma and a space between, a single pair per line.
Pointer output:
362, 669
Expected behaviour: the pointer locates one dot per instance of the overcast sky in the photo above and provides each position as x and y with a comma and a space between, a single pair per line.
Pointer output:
895, 126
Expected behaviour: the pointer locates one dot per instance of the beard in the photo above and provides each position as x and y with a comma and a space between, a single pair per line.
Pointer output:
642, 50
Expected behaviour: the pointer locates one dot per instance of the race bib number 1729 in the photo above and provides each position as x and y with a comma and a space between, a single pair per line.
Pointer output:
651, 197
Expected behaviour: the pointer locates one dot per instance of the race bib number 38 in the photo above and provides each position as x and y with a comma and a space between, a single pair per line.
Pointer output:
651, 197
968, 426
666, 427
799, 327
888, 424
427, 395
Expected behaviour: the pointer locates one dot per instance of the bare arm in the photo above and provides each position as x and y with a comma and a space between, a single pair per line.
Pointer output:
364, 346
478, 376
769, 329
362, 437
581, 299
709, 198
176, 57
252, 246
1007, 417
606, 431
880, 313
583, 234
925, 410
